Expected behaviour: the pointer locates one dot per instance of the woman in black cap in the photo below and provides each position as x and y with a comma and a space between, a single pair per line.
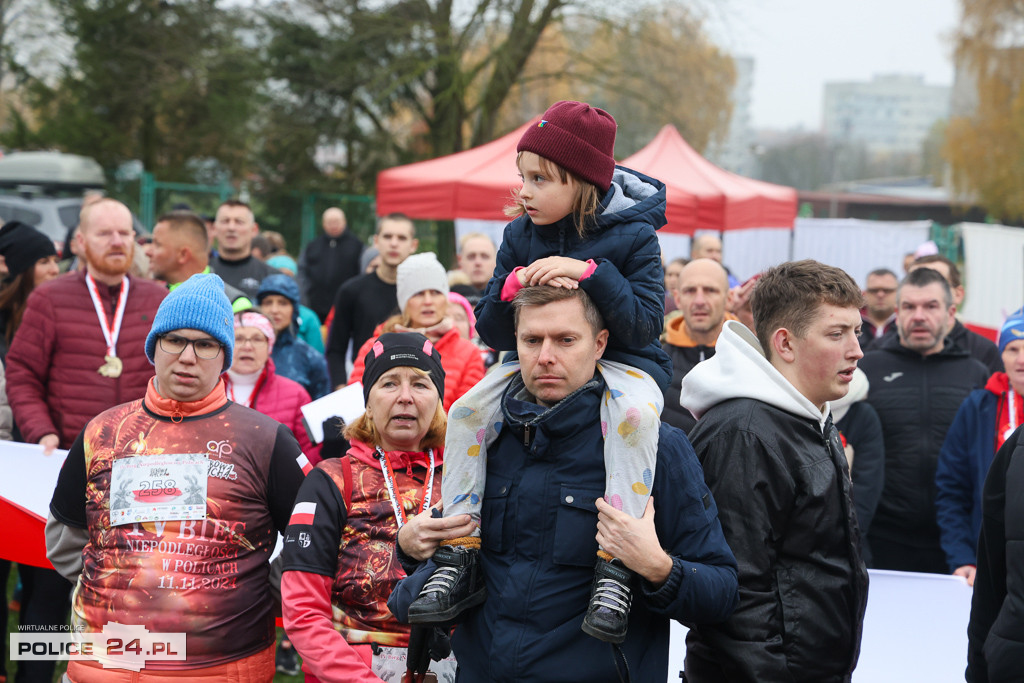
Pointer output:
340, 564
31, 260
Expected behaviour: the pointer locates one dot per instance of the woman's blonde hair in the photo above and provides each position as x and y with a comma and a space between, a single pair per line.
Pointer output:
584, 203
363, 429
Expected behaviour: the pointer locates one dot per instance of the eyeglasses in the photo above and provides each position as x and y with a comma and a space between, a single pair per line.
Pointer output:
255, 342
879, 291
206, 349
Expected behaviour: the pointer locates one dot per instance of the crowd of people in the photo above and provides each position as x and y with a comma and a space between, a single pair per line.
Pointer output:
566, 442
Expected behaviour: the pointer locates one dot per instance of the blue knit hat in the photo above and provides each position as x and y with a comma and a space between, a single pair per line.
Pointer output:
1012, 329
198, 303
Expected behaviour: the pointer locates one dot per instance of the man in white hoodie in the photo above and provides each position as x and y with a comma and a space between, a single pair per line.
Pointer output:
776, 467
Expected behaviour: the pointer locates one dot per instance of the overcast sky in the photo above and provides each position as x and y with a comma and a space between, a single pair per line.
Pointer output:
798, 45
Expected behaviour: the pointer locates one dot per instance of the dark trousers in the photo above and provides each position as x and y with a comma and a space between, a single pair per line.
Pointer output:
886, 554
45, 600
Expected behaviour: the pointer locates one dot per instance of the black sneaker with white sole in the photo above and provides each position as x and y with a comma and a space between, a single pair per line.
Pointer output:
607, 616
456, 585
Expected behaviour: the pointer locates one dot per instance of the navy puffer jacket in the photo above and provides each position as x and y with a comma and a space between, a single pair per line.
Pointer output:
628, 286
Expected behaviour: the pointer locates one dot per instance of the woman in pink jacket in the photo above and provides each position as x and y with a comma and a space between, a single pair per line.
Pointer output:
252, 381
422, 290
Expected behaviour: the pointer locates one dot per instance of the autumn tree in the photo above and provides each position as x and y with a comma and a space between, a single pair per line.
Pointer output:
985, 147
394, 82
651, 66
164, 83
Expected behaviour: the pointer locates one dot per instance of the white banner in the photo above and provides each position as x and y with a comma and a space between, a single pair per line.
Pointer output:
858, 246
994, 269
915, 629
29, 477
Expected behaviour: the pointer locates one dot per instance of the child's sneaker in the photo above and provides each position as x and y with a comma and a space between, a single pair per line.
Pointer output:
286, 661
610, 596
456, 585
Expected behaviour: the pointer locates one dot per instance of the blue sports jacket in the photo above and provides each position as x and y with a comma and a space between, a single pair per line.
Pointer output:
964, 460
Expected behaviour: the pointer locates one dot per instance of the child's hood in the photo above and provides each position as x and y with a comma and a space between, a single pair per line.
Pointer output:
633, 197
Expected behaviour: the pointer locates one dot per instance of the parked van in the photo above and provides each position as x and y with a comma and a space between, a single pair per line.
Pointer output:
44, 189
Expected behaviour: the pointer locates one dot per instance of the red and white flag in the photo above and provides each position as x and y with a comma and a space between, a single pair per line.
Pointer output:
303, 513
304, 463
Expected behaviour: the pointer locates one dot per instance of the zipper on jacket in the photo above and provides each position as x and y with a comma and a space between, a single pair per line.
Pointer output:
526, 435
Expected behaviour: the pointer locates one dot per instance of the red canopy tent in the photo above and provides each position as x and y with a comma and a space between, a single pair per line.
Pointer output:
702, 196
475, 184
471, 184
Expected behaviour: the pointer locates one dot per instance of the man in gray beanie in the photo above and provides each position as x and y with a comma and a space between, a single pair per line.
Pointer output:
168, 507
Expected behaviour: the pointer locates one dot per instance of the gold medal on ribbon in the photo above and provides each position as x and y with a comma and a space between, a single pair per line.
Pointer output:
112, 368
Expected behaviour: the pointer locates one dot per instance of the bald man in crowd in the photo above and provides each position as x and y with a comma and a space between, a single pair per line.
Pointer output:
328, 262
701, 292
477, 257
708, 245
180, 250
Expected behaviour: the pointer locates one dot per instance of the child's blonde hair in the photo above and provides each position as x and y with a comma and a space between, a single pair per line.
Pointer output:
584, 203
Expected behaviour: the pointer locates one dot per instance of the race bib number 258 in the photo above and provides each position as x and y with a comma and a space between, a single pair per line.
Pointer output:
157, 488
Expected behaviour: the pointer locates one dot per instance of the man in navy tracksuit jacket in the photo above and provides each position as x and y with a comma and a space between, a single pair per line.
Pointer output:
543, 522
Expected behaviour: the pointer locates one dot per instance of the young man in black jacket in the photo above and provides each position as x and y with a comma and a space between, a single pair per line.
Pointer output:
775, 464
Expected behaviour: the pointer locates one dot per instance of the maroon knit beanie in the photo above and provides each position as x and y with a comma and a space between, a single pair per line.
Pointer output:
577, 137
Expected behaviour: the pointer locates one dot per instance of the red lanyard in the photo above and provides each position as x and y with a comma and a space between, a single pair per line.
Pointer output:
110, 333
1011, 419
255, 389
389, 483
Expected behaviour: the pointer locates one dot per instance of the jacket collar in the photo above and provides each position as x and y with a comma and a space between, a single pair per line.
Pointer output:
676, 334
367, 455
739, 369
168, 407
998, 383
574, 413
950, 349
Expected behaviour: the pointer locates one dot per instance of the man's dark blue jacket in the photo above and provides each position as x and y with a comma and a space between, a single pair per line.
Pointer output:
539, 523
